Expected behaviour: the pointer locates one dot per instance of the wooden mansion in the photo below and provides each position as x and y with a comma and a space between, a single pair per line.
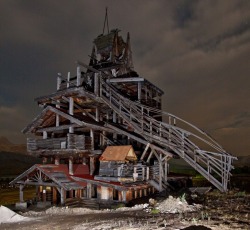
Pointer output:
103, 136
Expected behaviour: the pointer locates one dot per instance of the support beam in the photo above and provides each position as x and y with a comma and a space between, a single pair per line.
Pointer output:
97, 85
78, 76
68, 80
59, 81
139, 91
71, 171
145, 151
71, 112
62, 192
21, 193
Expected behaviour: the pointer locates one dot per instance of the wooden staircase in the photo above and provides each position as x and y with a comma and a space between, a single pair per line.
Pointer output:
214, 164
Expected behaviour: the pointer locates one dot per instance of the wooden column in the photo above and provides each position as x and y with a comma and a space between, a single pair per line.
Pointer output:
97, 85
97, 114
71, 171
71, 193
62, 192
124, 196
120, 195
114, 120
92, 139
21, 193
59, 81
160, 172
54, 195
89, 190
71, 112
91, 165
166, 170
139, 91
45, 135
68, 80
78, 76
57, 116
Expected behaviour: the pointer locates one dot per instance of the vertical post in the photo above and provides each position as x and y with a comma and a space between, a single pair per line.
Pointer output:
89, 190
57, 116
71, 171
92, 139
54, 195
147, 175
91, 165
143, 173
139, 91
114, 120
68, 79
59, 81
71, 106
21, 193
45, 135
135, 174
97, 114
124, 196
62, 196
97, 85
78, 76
71, 112
166, 171
57, 120
114, 117
160, 173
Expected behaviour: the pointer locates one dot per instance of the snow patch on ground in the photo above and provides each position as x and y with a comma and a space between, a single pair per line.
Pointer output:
8, 216
176, 205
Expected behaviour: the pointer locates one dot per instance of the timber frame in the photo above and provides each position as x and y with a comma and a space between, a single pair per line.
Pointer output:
106, 103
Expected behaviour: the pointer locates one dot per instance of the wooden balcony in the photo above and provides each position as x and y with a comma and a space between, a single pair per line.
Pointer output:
72, 141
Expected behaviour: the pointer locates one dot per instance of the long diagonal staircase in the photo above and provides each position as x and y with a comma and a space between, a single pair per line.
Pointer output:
214, 163
172, 136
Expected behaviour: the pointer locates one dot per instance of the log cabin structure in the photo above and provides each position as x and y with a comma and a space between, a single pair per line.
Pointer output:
102, 134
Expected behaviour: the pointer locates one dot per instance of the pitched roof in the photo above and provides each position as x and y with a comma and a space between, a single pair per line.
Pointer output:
119, 153
59, 174
47, 119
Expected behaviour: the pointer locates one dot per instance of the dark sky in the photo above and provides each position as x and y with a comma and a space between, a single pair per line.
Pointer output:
197, 52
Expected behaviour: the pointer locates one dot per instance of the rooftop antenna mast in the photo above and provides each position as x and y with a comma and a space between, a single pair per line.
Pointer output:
106, 21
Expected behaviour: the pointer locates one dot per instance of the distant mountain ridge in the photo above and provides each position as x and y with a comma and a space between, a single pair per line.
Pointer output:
7, 146
13, 164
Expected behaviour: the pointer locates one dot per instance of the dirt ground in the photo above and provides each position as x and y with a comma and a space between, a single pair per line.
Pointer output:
216, 211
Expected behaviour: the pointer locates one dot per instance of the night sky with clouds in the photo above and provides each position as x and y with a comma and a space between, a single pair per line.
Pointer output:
197, 52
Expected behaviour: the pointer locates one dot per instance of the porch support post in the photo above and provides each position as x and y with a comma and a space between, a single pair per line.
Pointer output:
21, 193
124, 196
62, 196
89, 190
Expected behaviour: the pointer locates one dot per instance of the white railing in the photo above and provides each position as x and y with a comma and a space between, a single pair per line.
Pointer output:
174, 134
